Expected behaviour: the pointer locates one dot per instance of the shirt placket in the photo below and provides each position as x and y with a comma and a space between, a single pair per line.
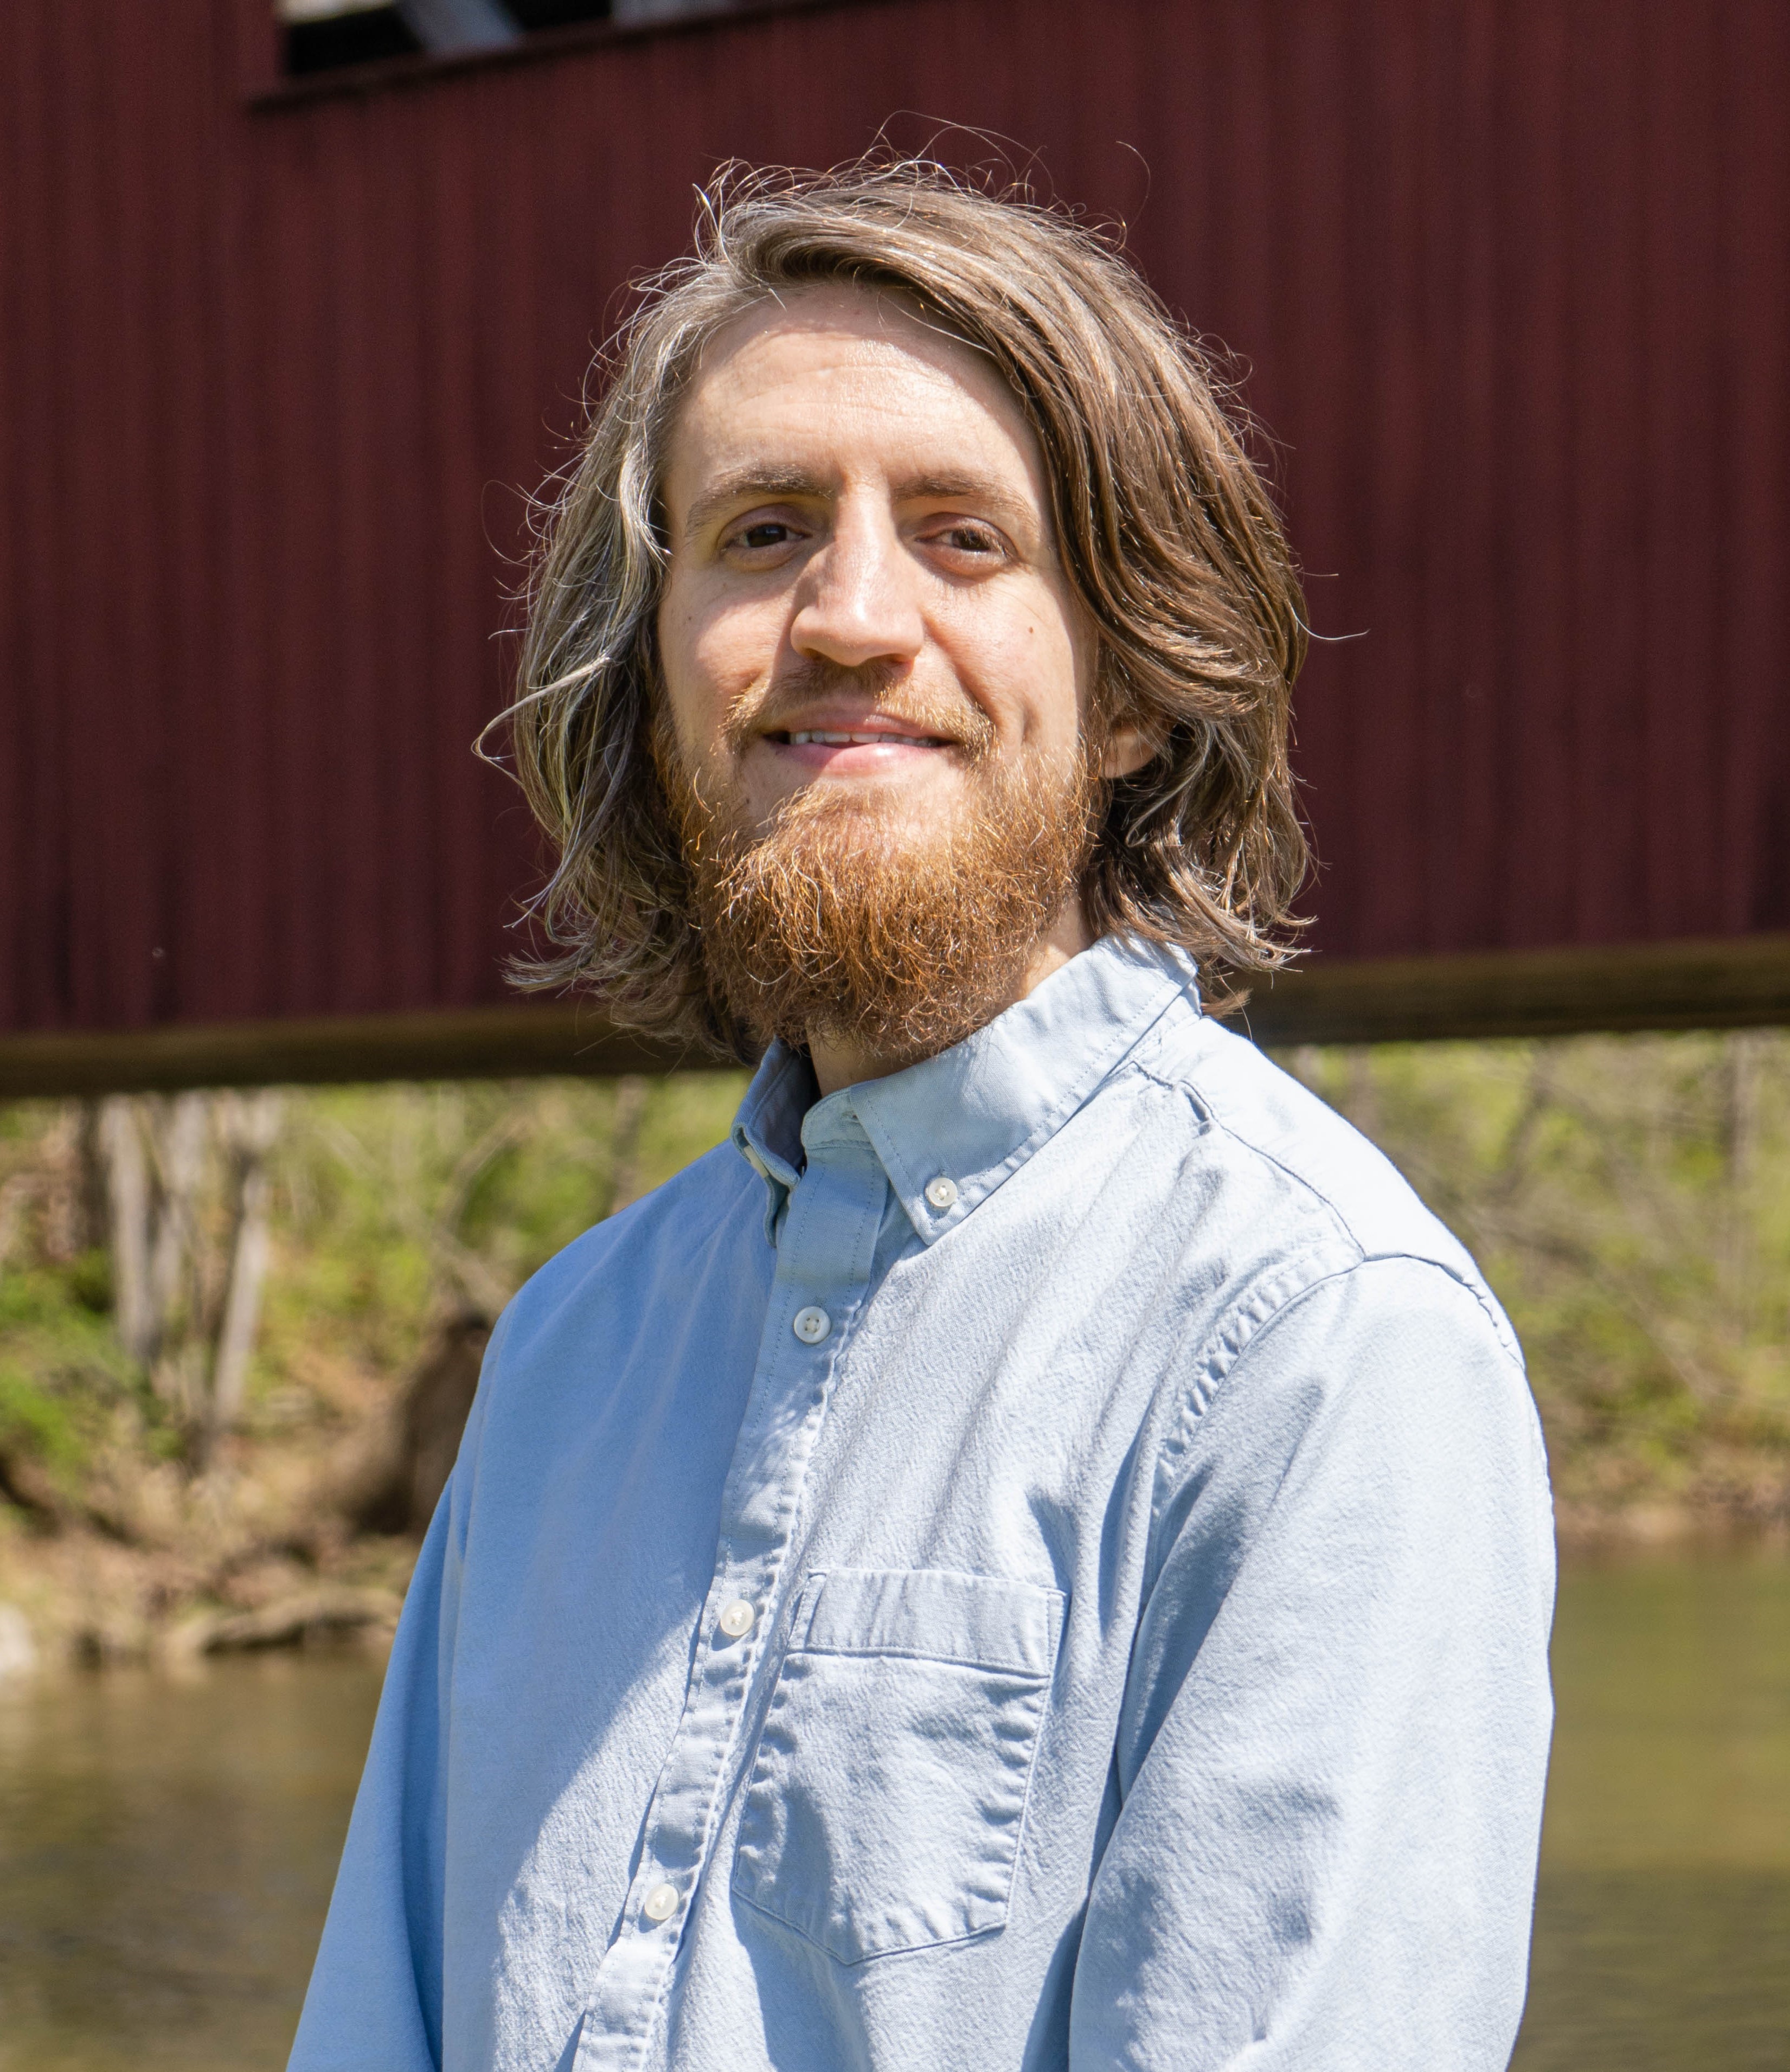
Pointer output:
826, 1252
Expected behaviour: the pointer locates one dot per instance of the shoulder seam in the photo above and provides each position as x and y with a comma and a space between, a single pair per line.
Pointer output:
1189, 1090
1250, 1318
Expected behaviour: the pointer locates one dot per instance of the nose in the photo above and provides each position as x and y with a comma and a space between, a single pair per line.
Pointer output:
858, 603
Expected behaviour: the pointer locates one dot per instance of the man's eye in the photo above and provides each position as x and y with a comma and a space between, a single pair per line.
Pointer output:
768, 533
967, 540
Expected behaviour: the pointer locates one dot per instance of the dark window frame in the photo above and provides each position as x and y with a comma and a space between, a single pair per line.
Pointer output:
264, 84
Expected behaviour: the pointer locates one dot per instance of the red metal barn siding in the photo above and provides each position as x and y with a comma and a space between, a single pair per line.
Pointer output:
1510, 275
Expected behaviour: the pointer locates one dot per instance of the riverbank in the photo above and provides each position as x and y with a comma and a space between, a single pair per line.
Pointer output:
80, 1600
231, 1569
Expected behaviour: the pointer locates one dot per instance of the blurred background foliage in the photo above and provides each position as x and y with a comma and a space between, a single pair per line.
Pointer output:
391, 1206
1629, 1200
1628, 1197
395, 1205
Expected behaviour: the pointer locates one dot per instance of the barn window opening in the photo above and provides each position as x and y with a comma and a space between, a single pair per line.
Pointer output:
324, 35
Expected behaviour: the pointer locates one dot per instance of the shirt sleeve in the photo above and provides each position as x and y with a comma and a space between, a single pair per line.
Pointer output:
1334, 1741
375, 2000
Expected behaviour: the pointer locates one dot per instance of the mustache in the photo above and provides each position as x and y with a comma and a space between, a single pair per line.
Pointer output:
885, 686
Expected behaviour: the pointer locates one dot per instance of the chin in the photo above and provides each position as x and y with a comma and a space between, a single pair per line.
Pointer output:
885, 808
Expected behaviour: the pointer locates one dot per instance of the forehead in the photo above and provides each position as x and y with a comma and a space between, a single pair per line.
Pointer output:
833, 378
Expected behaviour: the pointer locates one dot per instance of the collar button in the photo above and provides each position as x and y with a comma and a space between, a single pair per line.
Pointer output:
941, 1193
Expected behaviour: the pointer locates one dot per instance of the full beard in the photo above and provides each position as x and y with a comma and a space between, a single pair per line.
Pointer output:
847, 920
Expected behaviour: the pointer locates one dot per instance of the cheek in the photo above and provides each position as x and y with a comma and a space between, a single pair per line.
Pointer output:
709, 656
1025, 664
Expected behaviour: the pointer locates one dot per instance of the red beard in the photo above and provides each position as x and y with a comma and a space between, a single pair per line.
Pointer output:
842, 920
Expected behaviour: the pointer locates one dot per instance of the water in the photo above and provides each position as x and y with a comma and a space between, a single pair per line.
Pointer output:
165, 1855
1662, 1939
167, 1848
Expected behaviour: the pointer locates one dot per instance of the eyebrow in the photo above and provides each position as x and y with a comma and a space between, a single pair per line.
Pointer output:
754, 481
750, 481
970, 488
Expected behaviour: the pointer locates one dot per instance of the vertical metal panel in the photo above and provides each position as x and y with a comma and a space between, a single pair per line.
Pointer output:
1511, 277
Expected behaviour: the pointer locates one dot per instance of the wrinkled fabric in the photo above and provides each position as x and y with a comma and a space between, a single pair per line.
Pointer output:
1142, 1523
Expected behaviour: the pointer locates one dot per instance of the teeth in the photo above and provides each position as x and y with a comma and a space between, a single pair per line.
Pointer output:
828, 740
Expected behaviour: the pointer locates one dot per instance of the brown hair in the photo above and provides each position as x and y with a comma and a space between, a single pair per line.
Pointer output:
1166, 530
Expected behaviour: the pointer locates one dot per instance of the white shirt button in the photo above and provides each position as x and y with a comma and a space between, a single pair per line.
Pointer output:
738, 1619
661, 1904
942, 1193
812, 1325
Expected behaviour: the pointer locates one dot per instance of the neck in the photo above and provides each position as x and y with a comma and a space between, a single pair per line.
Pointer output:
845, 1064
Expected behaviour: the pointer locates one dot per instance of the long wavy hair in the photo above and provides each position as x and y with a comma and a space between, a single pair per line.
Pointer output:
1165, 528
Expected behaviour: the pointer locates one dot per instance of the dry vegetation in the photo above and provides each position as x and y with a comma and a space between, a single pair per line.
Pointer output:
1630, 1199
134, 1519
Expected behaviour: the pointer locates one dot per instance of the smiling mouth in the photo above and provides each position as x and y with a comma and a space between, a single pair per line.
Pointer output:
820, 737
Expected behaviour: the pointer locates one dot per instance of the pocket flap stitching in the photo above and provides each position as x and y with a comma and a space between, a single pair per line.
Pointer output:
984, 1621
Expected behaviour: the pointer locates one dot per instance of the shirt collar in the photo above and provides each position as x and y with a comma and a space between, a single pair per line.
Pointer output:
767, 1129
972, 1116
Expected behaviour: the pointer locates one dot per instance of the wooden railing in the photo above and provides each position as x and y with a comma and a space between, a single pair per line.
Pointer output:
1744, 981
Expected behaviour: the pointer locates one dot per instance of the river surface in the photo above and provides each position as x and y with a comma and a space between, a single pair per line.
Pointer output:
166, 1846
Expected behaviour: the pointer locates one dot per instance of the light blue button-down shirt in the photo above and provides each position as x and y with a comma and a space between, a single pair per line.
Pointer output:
1042, 1559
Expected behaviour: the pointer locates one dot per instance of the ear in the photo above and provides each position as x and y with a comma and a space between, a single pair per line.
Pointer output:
1128, 748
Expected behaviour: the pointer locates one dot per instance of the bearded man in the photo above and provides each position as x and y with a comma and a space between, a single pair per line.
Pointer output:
1037, 1552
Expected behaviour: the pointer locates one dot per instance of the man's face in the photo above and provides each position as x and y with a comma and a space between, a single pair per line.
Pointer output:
875, 681
864, 601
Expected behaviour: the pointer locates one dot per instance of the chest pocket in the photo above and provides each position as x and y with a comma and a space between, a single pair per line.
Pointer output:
884, 1809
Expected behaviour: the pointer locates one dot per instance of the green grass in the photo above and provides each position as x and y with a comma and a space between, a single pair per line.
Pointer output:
1629, 1199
